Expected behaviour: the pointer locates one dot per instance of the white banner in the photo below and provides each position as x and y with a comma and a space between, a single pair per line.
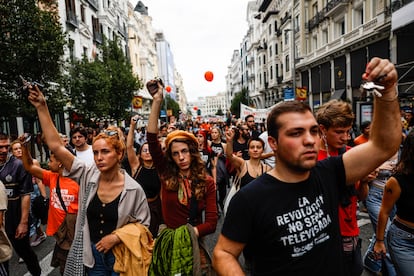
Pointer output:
258, 113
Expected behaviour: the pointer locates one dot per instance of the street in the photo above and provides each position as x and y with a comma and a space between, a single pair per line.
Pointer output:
45, 249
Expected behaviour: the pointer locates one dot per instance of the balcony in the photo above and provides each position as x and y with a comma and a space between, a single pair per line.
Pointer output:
336, 7
93, 4
284, 19
71, 19
269, 14
316, 20
265, 4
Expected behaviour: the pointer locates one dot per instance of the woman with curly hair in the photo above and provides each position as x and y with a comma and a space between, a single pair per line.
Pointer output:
188, 192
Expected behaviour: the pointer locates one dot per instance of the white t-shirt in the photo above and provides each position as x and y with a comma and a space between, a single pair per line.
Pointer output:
270, 160
86, 156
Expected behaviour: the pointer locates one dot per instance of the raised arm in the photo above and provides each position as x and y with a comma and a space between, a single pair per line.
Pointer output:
28, 164
236, 161
385, 136
155, 108
132, 156
53, 140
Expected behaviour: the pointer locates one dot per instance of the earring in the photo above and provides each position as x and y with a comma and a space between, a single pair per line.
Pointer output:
326, 144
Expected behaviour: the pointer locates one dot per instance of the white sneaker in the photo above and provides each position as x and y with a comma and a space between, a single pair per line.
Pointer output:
38, 240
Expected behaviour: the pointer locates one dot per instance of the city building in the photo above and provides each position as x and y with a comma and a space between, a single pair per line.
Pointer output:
317, 50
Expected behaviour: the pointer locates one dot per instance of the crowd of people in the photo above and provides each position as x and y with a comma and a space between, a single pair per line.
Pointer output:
157, 192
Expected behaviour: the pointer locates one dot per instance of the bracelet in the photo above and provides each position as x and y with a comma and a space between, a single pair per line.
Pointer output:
388, 100
378, 240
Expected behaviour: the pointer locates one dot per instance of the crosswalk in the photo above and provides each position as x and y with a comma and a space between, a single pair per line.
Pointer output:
363, 219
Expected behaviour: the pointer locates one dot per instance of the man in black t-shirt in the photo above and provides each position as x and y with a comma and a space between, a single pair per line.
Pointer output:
288, 218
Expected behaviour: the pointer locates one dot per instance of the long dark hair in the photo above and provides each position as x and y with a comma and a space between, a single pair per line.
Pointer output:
198, 173
406, 163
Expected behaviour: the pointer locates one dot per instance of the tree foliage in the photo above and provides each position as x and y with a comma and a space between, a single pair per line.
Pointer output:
240, 97
31, 45
171, 104
103, 88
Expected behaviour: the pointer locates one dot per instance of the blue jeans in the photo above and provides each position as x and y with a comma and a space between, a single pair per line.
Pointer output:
401, 248
373, 204
104, 264
35, 221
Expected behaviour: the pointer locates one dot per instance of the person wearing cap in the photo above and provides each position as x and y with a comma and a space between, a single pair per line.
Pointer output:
188, 192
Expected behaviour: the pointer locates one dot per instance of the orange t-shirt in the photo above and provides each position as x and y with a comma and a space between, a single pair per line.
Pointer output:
360, 140
69, 190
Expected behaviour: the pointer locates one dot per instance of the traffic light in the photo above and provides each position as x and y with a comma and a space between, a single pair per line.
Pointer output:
198, 112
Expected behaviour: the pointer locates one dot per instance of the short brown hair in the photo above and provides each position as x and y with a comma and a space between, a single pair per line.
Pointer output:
335, 113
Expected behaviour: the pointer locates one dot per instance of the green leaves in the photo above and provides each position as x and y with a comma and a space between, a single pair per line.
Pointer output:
104, 88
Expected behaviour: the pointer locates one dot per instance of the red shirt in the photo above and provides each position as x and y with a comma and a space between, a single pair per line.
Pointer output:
348, 223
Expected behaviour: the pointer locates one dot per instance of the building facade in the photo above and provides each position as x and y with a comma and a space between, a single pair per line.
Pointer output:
317, 50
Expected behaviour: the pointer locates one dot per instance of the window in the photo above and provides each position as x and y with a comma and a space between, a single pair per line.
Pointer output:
271, 72
359, 16
82, 10
325, 37
71, 47
339, 28
85, 51
270, 51
276, 49
286, 37
270, 29
315, 43
264, 59
287, 63
297, 23
275, 26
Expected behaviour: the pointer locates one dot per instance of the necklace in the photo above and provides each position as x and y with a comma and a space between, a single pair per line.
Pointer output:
255, 168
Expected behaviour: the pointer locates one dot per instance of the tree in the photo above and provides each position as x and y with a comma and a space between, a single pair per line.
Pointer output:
240, 97
104, 88
172, 104
31, 45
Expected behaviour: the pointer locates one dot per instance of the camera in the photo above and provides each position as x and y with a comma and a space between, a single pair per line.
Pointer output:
152, 85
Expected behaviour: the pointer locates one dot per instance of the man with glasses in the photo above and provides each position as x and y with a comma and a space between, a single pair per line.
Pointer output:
82, 149
18, 184
251, 124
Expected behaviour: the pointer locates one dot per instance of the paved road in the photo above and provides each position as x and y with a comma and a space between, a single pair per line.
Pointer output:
44, 250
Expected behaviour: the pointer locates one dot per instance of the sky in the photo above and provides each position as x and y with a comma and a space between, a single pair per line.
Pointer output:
202, 37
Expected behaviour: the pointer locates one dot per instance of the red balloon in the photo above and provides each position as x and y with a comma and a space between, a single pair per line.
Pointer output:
208, 76
195, 108
168, 88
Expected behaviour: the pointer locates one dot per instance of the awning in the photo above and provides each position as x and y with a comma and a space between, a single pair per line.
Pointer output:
337, 94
